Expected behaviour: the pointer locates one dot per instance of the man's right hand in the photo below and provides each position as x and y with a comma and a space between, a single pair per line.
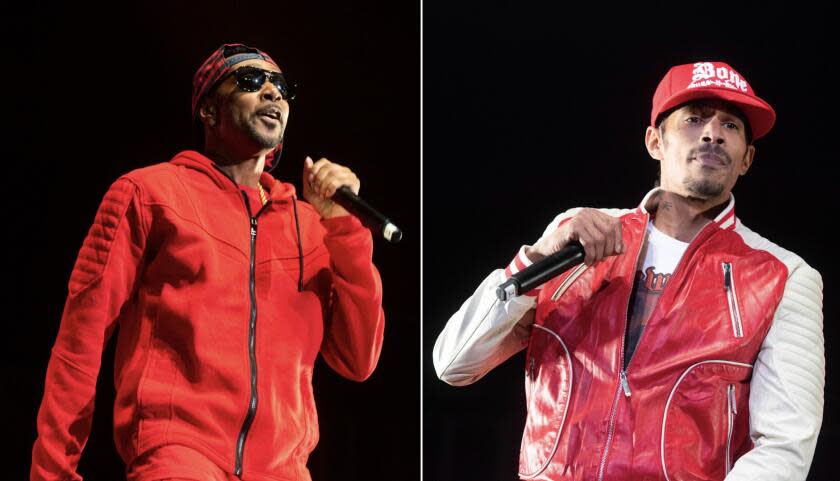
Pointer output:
599, 233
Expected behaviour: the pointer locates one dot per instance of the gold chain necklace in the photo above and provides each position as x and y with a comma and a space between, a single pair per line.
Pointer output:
263, 195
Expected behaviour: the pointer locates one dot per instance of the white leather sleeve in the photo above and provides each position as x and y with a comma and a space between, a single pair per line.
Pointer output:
786, 391
482, 334
485, 331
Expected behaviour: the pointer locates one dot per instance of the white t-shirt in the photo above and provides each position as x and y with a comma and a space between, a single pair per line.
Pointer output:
660, 256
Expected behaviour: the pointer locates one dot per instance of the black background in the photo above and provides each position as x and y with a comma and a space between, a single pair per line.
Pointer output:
92, 93
529, 111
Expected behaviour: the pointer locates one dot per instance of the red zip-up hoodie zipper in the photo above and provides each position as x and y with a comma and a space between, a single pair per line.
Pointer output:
252, 341
252, 331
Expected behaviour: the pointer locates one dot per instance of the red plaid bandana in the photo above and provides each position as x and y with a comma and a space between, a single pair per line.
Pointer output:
217, 66
220, 63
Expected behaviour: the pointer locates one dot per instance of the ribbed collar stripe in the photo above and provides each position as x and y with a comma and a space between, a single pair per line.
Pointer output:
725, 220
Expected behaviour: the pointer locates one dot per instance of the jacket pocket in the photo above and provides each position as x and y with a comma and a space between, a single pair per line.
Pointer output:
568, 281
700, 430
548, 387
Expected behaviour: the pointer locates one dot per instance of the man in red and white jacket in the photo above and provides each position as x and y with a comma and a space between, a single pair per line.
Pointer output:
686, 346
225, 288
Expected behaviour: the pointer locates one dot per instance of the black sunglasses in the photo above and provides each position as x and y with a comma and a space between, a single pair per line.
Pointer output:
251, 79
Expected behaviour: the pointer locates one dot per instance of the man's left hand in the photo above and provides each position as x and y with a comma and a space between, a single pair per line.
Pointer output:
320, 181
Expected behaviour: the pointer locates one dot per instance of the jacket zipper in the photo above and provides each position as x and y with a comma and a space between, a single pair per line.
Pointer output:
732, 299
731, 412
623, 373
624, 384
252, 341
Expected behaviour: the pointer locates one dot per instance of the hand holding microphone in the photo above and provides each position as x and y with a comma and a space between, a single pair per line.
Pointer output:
597, 232
588, 237
333, 189
321, 180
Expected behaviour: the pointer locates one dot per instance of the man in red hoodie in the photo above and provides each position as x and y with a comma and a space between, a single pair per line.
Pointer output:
225, 288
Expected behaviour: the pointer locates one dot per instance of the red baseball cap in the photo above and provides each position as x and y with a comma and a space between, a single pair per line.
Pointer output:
712, 80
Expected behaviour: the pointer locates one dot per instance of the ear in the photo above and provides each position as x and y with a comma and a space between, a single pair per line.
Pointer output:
653, 142
747, 161
207, 113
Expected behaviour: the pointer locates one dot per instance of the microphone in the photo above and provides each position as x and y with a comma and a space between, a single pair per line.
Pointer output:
369, 216
540, 272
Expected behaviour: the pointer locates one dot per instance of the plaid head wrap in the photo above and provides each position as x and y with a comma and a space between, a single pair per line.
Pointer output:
219, 64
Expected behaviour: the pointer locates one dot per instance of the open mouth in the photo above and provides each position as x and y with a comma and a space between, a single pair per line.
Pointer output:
270, 115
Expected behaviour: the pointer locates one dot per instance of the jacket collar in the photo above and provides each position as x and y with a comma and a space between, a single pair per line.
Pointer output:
725, 220
277, 191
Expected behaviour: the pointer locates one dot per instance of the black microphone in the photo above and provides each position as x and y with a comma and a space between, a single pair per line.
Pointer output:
541, 271
369, 216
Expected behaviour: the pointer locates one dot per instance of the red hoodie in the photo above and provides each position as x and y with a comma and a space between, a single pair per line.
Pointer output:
216, 342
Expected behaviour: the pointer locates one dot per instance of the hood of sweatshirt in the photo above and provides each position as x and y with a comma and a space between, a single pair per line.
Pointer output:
278, 191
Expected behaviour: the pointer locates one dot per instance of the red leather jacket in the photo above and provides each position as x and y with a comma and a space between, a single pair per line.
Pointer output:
684, 393
217, 340
682, 408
